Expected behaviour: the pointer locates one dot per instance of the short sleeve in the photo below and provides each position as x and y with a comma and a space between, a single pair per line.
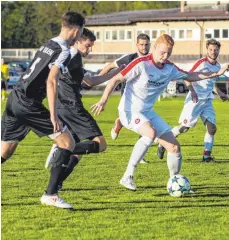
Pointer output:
123, 60
132, 70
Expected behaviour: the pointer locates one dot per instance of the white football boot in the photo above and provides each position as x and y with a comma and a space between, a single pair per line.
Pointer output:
50, 157
128, 182
55, 201
116, 129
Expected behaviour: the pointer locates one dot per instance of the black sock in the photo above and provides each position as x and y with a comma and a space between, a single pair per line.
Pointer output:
62, 158
72, 163
86, 147
2, 160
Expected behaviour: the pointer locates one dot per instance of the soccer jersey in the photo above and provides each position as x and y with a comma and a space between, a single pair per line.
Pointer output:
126, 59
33, 82
70, 81
205, 87
145, 81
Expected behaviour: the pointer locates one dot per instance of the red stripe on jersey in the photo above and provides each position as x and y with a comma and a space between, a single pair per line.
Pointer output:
131, 65
197, 64
181, 70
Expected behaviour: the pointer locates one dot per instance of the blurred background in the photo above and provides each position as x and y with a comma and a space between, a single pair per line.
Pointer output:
27, 25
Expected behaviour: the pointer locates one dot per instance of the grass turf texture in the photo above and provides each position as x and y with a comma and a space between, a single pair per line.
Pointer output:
103, 208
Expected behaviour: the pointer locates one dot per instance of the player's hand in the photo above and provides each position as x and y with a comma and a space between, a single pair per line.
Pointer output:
223, 70
98, 107
223, 97
57, 124
194, 96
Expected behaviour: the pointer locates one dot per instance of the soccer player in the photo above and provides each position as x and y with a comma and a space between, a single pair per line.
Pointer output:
70, 106
146, 77
25, 111
143, 48
203, 108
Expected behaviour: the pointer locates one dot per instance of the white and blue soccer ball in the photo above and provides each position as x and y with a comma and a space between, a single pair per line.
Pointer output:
178, 185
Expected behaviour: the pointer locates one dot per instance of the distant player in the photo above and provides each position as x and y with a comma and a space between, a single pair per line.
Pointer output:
146, 77
203, 108
5, 75
24, 109
143, 48
70, 106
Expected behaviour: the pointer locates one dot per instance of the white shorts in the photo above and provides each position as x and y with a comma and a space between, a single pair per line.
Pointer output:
134, 120
192, 111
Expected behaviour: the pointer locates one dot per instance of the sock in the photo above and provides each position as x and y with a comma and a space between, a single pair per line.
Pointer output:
2, 160
3, 94
208, 144
86, 147
62, 158
174, 163
72, 163
176, 131
139, 151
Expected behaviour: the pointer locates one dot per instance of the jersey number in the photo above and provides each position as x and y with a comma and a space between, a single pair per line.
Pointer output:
32, 68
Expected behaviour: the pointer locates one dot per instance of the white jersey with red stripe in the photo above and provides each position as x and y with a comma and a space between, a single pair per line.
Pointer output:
145, 81
205, 87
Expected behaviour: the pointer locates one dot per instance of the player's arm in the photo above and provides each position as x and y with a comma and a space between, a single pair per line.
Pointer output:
99, 106
192, 90
107, 68
198, 76
90, 81
52, 84
222, 95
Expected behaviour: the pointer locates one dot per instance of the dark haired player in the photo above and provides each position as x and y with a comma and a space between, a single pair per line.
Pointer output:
70, 107
25, 111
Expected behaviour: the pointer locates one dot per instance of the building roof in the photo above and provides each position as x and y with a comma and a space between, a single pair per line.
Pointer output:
156, 15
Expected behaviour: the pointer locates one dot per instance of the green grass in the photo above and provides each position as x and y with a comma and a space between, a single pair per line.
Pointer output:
104, 210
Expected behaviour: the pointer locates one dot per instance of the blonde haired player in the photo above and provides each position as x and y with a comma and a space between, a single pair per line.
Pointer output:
203, 107
146, 77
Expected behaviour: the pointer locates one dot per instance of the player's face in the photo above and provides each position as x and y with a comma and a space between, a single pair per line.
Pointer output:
143, 47
213, 52
162, 53
75, 34
85, 46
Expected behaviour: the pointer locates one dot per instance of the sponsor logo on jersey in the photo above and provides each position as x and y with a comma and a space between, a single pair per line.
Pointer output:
156, 84
137, 120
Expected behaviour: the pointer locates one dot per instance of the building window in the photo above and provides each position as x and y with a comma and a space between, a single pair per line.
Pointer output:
189, 34
208, 35
154, 34
121, 34
114, 35
147, 32
108, 35
173, 33
128, 35
181, 34
97, 34
225, 33
216, 33
139, 32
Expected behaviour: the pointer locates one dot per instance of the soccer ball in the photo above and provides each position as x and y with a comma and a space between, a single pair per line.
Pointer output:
178, 185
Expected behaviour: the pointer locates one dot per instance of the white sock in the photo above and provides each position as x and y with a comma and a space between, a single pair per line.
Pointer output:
138, 153
208, 141
174, 163
176, 131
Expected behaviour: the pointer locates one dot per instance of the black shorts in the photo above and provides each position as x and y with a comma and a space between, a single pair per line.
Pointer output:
80, 122
22, 115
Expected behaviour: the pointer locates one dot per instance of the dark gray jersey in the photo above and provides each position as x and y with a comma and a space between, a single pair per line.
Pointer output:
33, 82
126, 59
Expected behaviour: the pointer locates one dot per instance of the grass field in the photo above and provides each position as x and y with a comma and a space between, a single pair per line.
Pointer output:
104, 210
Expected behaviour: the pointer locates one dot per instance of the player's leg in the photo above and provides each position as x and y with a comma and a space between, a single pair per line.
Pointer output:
3, 90
174, 157
188, 119
138, 153
208, 118
74, 159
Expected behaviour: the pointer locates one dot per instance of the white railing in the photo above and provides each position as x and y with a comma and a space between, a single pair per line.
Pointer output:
26, 53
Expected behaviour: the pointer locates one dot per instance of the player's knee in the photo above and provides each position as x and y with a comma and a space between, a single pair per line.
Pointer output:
147, 140
102, 143
8, 150
212, 130
174, 148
